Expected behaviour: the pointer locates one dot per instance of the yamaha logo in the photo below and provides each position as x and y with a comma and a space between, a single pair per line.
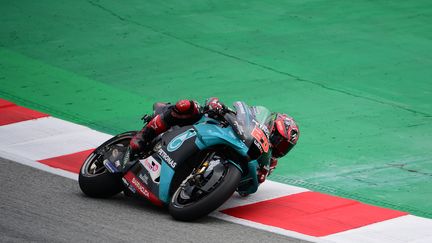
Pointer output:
179, 140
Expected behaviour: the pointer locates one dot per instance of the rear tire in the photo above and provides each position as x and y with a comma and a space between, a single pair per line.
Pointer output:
208, 203
94, 179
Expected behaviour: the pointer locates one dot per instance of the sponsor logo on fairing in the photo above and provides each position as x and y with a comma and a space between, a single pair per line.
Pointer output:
258, 146
261, 139
179, 140
152, 166
265, 130
140, 187
167, 158
262, 127
137, 186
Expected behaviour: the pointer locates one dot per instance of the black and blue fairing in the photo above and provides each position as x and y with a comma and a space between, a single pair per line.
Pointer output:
179, 144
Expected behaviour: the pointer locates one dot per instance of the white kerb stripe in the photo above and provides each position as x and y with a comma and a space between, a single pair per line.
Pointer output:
37, 165
266, 191
277, 230
48, 137
25, 131
403, 229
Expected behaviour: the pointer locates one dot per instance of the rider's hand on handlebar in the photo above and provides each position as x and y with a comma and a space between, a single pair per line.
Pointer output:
213, 105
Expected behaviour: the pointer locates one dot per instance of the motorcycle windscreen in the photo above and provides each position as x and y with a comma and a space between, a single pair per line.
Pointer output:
254, 133
245, 122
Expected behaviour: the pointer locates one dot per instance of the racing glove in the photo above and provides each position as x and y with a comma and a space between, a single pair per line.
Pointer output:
262, 175
265, 171
214, 106
273, 164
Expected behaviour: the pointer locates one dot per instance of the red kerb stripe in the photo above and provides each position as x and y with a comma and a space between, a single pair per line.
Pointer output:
69, 162
313, 213
5, 103
11, 113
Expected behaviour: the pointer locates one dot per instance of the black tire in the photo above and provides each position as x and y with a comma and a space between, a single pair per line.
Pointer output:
102, 184
208, 203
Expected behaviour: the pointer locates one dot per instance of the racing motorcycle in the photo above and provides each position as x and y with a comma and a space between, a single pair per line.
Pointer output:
190, 169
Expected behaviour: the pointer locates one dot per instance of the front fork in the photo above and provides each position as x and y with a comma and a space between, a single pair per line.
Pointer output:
248, 184
249, 181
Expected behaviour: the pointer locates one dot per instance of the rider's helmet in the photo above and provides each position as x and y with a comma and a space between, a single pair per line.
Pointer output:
284, 135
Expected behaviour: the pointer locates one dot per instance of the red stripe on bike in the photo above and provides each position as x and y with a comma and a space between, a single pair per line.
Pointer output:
141, 188
313, 213
69, 162
11, 113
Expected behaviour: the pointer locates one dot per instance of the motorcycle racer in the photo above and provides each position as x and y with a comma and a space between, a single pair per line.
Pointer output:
283, 131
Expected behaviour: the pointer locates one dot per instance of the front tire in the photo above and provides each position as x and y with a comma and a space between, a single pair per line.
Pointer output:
202, 207
101, 185
94, 179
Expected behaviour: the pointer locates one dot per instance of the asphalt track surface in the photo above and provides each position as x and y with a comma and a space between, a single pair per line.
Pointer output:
39, 206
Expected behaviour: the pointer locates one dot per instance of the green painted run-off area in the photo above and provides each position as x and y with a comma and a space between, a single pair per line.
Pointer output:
356, 75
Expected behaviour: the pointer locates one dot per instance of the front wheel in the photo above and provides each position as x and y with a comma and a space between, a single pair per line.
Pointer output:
200, 194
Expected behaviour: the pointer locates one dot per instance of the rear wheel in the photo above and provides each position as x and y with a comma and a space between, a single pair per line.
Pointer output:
204, 190
94, 179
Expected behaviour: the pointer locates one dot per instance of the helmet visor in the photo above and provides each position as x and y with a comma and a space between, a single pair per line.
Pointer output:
281, 145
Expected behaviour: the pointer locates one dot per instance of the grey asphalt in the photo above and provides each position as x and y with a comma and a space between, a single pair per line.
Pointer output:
38, 206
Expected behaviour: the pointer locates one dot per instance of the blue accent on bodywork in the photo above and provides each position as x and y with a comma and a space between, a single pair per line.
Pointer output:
166, 176
179, 140
209, 135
